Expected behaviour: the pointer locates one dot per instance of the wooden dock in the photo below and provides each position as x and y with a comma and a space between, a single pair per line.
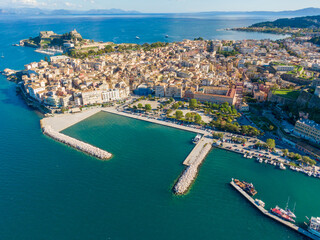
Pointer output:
267, 213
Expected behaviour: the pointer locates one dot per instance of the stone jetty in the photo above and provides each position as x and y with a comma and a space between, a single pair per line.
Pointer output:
193, 162
82, 146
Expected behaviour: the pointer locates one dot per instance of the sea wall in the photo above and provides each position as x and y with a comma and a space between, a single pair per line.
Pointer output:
190, 173
72, 142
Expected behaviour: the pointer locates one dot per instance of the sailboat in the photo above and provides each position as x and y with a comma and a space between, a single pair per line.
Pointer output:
289, 212
2, 55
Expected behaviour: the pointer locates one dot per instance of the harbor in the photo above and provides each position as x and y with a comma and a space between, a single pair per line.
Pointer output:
270, 215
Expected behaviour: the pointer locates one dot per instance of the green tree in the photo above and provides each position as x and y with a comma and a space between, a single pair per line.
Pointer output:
175, 106
188, 116
271, 127
140, 105
285, 152
179, 114
197, 119
134, 107
193, 103
271, 143
147, 107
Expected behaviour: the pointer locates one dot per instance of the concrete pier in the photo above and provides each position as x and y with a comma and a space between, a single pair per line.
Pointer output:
82, 146
267, 213
193, 162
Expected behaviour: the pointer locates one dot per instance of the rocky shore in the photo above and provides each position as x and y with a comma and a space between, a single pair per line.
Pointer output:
72, 142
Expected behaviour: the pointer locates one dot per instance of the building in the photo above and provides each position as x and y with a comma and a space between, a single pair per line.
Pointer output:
244, 107
216, 95
173, 91
307, 129
160, 90
284, 68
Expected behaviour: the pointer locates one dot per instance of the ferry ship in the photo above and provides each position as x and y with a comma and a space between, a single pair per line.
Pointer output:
196, 139
281, 213
247, 187
314, 226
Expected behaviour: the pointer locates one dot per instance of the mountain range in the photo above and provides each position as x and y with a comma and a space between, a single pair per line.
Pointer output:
114, 11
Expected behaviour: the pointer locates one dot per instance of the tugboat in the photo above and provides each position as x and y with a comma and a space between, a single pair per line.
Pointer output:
314, 226
196, 139
281, 213
247, 187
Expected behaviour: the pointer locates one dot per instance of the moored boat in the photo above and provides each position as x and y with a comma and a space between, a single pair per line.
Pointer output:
281, 213
314, 226
247, 187
196, 139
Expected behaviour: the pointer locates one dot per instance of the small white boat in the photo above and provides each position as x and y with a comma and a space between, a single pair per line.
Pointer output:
282, 167
137, 37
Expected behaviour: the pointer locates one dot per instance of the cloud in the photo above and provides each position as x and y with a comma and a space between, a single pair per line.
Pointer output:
28, 3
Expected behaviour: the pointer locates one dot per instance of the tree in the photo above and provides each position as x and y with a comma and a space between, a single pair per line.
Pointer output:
271, 143
175, 106
134, 107
140, 105
188, 116
271, 127
147, 107
285, 152
179, 114
308, 160
197, 119
46, 59
193, 103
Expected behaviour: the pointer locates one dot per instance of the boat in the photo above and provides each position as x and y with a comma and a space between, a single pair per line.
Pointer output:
281, 213
260, 160
259, 202
166, 36
2, 55
137, 37
247, 187
288, 211
314, 226
196, 139
282, 167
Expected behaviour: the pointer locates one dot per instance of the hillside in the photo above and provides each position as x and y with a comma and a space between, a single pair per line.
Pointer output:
298, 22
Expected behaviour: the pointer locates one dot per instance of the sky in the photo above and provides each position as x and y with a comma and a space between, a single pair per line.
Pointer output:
163, 6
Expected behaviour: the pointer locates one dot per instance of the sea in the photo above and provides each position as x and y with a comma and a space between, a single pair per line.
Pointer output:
51, 191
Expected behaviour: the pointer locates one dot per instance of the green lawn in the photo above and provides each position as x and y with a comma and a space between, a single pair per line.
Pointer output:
287, 93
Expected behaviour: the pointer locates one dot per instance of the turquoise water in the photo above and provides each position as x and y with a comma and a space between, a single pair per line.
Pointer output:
51, 191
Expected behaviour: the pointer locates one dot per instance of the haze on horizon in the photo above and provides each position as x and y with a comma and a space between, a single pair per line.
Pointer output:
165, 6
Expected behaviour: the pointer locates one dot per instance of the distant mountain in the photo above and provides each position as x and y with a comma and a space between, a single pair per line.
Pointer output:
38, 11
298, 22
300, 12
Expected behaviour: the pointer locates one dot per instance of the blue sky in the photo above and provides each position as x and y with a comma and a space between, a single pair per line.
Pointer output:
152, 6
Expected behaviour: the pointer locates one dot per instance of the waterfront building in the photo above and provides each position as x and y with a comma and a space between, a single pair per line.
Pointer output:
307, 129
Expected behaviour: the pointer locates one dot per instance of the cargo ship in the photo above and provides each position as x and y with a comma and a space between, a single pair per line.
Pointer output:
281, 213
247, 187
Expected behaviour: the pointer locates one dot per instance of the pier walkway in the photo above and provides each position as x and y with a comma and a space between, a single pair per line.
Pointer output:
267, 213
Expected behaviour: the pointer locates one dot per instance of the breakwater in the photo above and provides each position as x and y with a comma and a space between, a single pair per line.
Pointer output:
193, 162
267, 213
72, 142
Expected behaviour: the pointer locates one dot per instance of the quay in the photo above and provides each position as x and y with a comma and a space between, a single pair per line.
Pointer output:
267, 213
